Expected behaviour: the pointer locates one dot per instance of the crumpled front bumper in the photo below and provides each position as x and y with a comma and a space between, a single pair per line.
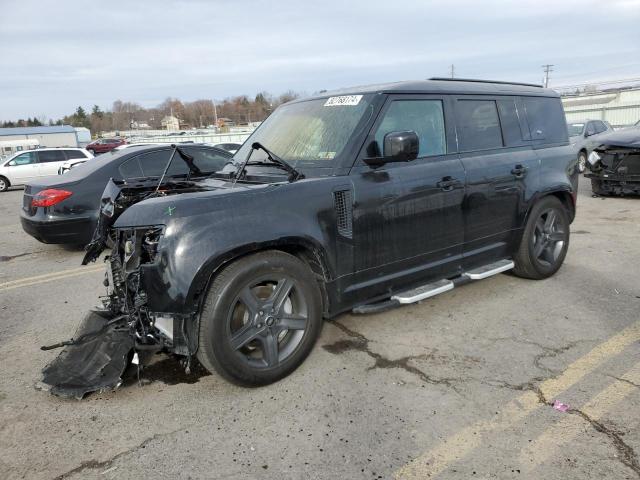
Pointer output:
96, 359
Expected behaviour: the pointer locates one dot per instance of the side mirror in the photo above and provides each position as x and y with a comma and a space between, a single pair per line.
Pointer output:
397, 147
401, 146
12, 163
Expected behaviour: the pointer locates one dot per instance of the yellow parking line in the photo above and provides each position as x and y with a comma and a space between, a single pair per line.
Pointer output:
49, 277
460, 444
562, 432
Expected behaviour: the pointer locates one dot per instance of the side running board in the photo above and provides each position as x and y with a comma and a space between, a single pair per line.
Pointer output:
425, 291
489, 270
435, 288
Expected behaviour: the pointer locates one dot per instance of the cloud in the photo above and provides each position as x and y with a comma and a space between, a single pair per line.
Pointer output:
57, 55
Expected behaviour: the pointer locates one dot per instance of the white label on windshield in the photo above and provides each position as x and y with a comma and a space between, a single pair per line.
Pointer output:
343, 100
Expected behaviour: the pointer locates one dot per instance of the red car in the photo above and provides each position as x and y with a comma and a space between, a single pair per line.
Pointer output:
104, 145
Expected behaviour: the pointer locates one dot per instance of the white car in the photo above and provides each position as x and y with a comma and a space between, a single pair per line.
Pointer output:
29, 165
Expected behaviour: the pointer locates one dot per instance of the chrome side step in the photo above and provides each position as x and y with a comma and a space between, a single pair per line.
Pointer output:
436, 288
481, 273
425, 291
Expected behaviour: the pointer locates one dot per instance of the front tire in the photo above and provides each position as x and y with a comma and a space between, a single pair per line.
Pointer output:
260, 319
4, 184
582, 162
545, 240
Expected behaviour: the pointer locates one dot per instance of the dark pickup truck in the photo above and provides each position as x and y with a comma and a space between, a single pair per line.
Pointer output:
361, 199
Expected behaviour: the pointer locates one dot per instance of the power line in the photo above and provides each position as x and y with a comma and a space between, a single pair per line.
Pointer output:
547, 70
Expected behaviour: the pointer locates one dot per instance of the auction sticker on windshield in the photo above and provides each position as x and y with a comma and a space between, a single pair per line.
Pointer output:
342, 100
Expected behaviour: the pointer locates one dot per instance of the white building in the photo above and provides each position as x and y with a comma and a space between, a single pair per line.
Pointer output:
57, 136
619, 107
171, 123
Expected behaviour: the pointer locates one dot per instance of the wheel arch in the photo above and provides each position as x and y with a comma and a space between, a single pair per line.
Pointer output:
8, 182
566, 196
305, 249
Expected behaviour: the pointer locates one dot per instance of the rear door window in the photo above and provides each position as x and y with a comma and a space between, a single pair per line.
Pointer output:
71, 154
206, 159
425, 117
154, 163
130, 168
478, 125
546, 119
48, 156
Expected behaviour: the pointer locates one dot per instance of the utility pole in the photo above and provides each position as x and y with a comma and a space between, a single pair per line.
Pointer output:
453, 70
547, 70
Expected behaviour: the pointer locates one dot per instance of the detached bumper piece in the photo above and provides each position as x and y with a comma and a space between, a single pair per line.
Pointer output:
94, 361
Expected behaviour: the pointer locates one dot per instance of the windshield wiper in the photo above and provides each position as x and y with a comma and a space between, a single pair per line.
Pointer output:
274, 160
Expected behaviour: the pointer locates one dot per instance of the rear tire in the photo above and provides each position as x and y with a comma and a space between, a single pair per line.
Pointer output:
4, 184
545, 240
260, 319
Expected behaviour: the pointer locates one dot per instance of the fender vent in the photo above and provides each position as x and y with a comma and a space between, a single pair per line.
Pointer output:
343, 201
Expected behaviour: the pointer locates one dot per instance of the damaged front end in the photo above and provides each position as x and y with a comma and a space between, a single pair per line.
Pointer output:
123, 330
615, 166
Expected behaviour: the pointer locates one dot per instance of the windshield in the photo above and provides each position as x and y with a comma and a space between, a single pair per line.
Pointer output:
314, 130
575, 129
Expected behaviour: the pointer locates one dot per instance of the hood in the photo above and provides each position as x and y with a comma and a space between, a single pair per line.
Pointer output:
628, 138
124, 205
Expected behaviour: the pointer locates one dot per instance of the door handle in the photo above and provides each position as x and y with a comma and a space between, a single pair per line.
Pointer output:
518, 171
447, 183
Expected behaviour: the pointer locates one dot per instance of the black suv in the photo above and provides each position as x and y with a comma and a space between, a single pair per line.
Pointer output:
359, 199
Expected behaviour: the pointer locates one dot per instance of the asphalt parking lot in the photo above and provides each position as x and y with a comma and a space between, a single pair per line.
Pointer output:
459, 386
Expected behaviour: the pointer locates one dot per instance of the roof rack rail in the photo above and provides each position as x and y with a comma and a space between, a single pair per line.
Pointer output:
446, 79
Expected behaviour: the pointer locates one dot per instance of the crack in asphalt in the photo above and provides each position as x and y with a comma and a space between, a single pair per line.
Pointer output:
624, 380
626, 453
360, 343
357, 341
547, 352
96, 464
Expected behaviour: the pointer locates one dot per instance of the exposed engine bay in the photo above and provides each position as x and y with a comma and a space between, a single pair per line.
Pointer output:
122, 330
615, 169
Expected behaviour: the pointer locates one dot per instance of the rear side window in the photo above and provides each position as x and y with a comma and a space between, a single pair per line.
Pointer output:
425, 117
130, 168
47, 156
74, 154
154, 163
546, 119
478, 125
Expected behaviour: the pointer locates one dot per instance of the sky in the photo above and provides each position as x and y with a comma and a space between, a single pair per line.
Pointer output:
57, 55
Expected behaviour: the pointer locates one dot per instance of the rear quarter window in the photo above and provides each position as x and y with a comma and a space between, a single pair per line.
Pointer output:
546, 120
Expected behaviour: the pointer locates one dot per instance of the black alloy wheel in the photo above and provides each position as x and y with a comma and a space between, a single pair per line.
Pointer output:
545, 240
261, 318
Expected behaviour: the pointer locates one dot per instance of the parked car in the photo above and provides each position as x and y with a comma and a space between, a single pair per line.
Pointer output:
30, 165
229, 147
615, 164
104, 145
585, 136
64, 209
362, 199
